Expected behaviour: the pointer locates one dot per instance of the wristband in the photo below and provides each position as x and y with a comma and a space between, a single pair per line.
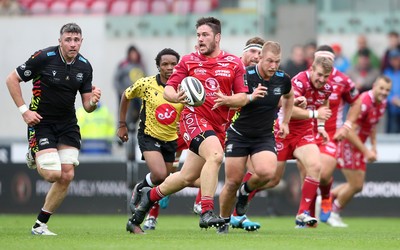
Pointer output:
250, 97
122, 124
23, 109
321, 124
92, 103
315, 114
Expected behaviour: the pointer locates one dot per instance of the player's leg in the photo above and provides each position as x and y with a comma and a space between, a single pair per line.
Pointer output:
328, 167
309, 156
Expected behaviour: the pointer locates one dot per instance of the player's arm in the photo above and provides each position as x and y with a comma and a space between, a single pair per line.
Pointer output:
90, 100
174, 96
372, 139
239, 99
287, 108
13, 84
353, 138
351, 118
323, 113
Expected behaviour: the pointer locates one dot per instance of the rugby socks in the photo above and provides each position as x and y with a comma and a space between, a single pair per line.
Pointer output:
155, 194
326, 190
43, 217
336, 206
207, 203
308, 194
154, 210
246, 177
198, 197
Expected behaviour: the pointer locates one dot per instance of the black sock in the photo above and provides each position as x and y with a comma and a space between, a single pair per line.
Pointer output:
43, 217
246, 188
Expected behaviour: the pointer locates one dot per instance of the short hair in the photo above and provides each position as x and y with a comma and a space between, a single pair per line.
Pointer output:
213, 22
272, 46
70, 28
384, 78
325, 48
255, 40
166, 51
325, 62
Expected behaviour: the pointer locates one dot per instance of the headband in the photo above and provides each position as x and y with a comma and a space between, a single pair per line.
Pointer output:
328, 54
252, 46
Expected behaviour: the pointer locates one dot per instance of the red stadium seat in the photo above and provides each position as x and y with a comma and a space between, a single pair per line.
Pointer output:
98, 6
139, 7
38, 7
159, 7
202, 6
119, 7
58, 7
181, 7
78, 6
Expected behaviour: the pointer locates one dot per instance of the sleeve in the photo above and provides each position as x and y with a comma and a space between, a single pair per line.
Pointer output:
31, 68
287, 84
86, 87
239, 84
180, 72
350, 93
136, 90
298, 87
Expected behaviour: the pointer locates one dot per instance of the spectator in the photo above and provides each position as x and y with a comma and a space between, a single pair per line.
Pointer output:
394, 43
309, 50
362, 44
342, 63
393, 72
10, 8
363, 73
97, 130
297, 61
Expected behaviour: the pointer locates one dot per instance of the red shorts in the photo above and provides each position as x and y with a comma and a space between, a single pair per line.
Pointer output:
349, 157
286, 147
192, 124
181, 144
329, 148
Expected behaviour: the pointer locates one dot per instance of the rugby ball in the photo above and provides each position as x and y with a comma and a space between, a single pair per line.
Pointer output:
194, 90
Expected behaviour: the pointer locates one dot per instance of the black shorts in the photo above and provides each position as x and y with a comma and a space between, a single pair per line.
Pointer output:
237, 145
166, 148
44, 136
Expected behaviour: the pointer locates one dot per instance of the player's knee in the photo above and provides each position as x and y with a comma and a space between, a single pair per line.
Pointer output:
232, 185
216, 157
158, 178
274, 182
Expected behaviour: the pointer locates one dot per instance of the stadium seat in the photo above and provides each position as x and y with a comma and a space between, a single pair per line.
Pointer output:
78, 6
139, 7
98, 6
159, 7
38, 7
119, 7
202, 6
58, 7
181, 7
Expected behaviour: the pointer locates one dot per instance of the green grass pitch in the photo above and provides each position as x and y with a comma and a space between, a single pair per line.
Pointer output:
183, 232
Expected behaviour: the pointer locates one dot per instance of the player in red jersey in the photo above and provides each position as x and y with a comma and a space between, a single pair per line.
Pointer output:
344, 90
352, 151
300, 143
203, 127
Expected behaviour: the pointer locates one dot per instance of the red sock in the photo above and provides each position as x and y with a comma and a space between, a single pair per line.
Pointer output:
326, 190
155, 194
308, 194
252, 194
207, 203
312, 207
336, 207
198, 197
246, 177
154, 210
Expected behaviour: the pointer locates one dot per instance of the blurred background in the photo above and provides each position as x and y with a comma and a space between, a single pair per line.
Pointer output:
362, 33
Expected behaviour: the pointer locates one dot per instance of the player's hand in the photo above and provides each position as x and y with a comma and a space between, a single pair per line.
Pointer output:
324, 113
31, 118
283, 130
220, 100
341, 134
259, 92
122, 133
180, 96
96, 94
300, 102
370, 156
324, 134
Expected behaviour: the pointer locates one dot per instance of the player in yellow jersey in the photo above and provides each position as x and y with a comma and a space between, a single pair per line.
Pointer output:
157, 134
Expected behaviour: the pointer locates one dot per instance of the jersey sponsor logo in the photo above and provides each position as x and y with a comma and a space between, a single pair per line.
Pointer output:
223, 72
79, 77
279, 146
27, 73
298, 83
280, 74
200, 71
309, 138
186, 136
251, 72
229, 148
223, 64
337, 79
165, 114
54, 72
212, 84
82, 59
23, 66
230, 58
51, 53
